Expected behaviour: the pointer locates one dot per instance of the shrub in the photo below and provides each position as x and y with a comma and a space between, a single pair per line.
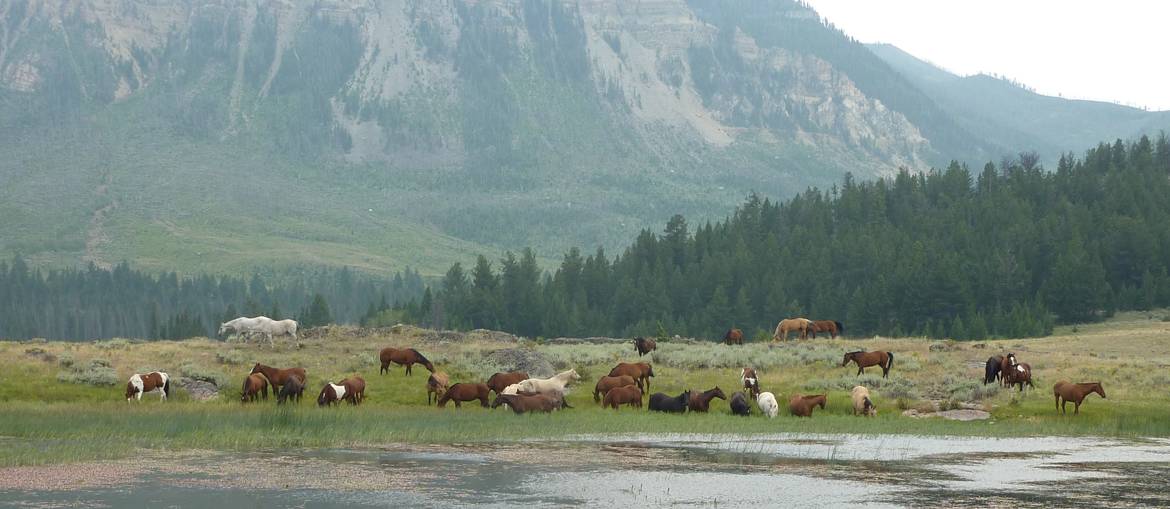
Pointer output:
196, 372
65, 360
98, 372
112, 344
233, 357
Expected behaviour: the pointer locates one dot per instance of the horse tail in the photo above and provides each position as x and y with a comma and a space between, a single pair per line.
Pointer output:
840, 327
890, 361
244, 390
166, 385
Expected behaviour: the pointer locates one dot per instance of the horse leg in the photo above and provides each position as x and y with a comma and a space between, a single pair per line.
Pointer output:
408, 369
1057, 402
860, 370
1076, 407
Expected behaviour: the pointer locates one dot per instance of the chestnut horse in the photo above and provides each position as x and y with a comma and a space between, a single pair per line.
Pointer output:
834, 328
254, 386
991, 373
802, 406
751, 382
499, 381
278, 377
644, 346
528, 402
465, 392
733, 337
739, 404
802, 325
639, 371
624, 395
884, 360
608, 383
1065, 392
437, 384
702, 402
403, 357
352, 389
142, 384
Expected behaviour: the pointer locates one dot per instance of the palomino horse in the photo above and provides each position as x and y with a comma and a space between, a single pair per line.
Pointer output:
750, 381
861, 402
556, 384
141, 384
639, 371
499, 381
767, 403
1020, 374
279, 377
437, 385
292, 390
674, 404
739, 404
733, 337
524, 403
624, 395
1065, 392
701, 402
644, 346
465, 392
991, 373
802, 406
254, 385
884, 360
834, 328
403, 357
608, 383
802, 325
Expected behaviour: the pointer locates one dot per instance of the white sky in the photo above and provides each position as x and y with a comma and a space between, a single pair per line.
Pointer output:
1117, 50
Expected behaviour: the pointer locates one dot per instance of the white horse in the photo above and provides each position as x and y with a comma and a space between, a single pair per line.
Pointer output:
242, 326
269, 327
554, 385
767, 403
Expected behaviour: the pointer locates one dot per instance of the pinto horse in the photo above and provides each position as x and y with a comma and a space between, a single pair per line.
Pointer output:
644, 346
802, 406
278, 377
1064, 391
255, 385
465, 392
675, 404
884, 360
733, 337
739, 404
1020, 374
639, 371
701, 402
750, 381
991, 373
403, 357
497, 382
437, 385
1007, 364
834, 328
352, 389
802, 325
141, 384
624, 395
608, 383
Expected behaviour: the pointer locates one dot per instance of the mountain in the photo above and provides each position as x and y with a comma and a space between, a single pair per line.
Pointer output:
1009, 115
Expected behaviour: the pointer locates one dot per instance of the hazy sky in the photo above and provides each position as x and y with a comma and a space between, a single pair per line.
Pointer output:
1117, 51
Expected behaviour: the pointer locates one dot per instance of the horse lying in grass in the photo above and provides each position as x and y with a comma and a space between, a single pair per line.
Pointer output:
498, 381
802, 406
255, 385
677, 404
884, 360
861, 403
608, 383
528, 402
624, 395
403, 357
1064, 391
150, 382
701, 402
465, 392
639, 371
739, 404
767, 403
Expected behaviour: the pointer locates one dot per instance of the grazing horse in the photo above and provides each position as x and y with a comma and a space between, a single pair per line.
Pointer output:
701, 402
834, 328
739, 404
255, 385
499, 381
524, 403
750, 381
644, 346
677, 404
861, 402
403, 357
639, 371
141, 384
802, 325
624, 395
290, 391
556, 384
330, 394
437, 385
608, 383
1020, 374
1065, 392
733, 337
465, 392
350, 389
992, 372
802, 406
767, 403
278, 377
884, 360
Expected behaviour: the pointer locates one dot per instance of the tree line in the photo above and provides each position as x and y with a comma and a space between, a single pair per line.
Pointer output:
1008, 251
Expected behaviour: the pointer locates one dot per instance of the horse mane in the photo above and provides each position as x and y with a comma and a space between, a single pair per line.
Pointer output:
855, 352
420, 356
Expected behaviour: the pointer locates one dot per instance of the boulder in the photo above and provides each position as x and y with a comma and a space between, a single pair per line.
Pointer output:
199, 390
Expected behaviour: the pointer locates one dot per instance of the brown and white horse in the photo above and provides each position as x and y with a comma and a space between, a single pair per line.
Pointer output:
351, 389
140, 384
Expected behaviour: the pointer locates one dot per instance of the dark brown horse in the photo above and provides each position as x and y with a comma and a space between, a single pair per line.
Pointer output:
884, 360
624, 395
607, 383
465, 392
639, 371
834, 328
437, 385
733, 337
802, 406
1065, 391
529, 402
278, 377
751, 381
403, 357
991, 373
739, 404
701, 402
675, 404
1019, 374
290, 391
499, 381
644, 346
255, 385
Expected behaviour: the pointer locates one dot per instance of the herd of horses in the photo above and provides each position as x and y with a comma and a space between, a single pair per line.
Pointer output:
627, 384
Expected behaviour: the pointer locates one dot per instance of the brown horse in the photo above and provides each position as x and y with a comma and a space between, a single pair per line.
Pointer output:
751, 381
802, 406
701, 402
278, 377
290, 391
884, 360
1020, 374
834, 328
733, 337
465, 392
802, 325
255, 385
644, 346
499, 381
1007, 364
437, 384
1065, 392
528, 402
355, 389
142, 384
639, 371
403, 357
607, 383
624, 395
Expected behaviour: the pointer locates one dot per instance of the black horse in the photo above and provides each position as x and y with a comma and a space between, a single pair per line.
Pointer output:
991, 373
739, 404
290, 391
663, 403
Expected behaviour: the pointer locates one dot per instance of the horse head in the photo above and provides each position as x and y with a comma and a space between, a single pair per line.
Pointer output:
848, 357
1099, 389
718, 393
223, 327
650, 371
1011, 358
